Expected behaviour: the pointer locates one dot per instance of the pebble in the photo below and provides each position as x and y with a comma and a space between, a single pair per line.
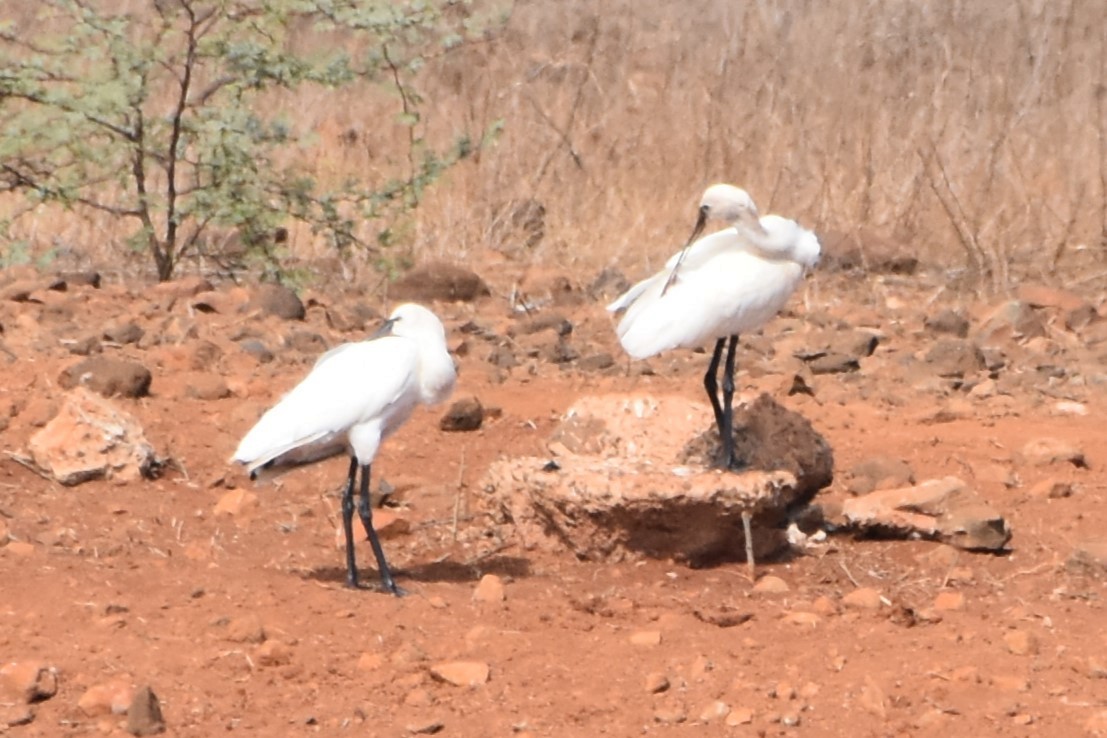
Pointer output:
672, 715
1010, 683
144, 716
245, 629
490, 588
273, 653
429, 726
770, 584
657, 682
716, 710
739, 716
279, 301
28, 681
466, 414
949, 600
236, 503
1021, 642
803, 618
109, 698
1052, 488
865, 598
1052, 451
646, 638
461, 673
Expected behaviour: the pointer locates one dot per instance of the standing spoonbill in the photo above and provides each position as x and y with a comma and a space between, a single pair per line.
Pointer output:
724, 284
355, 396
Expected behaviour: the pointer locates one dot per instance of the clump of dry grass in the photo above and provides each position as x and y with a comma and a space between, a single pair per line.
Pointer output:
970, 133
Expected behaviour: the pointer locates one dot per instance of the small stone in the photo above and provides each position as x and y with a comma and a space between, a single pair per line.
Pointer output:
279, 301
1022, 718
306, 342
124, 333
879, 472
770, 584
949, 600
716, 710
245, 629
1010, 683
803, 618
1021, 643
429, 726
955, 357
657, 682
646, 638
783, 691
257, 349
739, 716
22, 549
596, 362
28, 681
144, 717
110, 698
108, 377
948, 321
1086, 556
1052, 489
236, 503
370, 663
439, 281
207, 387
865, 598
490, 588
1049, 451
461, 673
670, 715
467, 414
273, 653
823, 605
834, 363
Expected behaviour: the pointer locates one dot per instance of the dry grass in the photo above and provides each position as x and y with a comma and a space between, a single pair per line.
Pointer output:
970, 132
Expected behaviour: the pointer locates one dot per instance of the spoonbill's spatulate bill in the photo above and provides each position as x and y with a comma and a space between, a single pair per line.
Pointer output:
716, 288
355, 396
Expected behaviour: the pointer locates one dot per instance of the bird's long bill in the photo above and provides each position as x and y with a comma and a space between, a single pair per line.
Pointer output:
701, 222
385, 329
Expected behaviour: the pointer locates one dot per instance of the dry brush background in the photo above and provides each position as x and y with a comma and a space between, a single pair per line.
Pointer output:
971, 133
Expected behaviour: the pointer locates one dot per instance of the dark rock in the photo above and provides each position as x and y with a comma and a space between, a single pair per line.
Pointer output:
439, 281
555, 322
833, 363
859, 344
608, 284
955, 357
306, 342
257, 349
948, 321
86, 346
466, 414
144, 716
124, 333
81, 279
770, 437
108, 377
559, 352
596, 362
503, 357
279, 301
879, 472
1011, 320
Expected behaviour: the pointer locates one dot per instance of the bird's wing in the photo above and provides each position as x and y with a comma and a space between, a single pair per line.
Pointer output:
702, 251
351, 384
733, 292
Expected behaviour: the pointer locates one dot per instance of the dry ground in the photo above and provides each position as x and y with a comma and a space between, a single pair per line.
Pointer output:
240, 622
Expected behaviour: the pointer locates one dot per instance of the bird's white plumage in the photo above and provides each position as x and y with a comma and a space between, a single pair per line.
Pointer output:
356, 395
727, 283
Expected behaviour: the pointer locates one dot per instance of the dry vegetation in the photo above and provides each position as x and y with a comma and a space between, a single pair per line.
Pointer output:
972, 133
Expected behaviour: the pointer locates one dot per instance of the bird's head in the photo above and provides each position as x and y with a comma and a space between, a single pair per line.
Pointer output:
412, 321
732, 205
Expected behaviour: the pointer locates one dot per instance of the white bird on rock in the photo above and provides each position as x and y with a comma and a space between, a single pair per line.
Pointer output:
355, 396
724, 284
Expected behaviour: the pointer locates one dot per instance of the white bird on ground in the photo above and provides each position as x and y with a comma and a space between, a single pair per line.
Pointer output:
724, 284
355, 396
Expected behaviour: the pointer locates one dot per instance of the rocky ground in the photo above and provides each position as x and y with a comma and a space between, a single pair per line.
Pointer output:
158, 588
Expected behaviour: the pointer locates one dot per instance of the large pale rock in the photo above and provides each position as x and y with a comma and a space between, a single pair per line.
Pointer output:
940, 509
91, 439
628, 482
439, 281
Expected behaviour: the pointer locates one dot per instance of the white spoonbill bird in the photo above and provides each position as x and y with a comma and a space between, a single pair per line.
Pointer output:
716, 288
355, 396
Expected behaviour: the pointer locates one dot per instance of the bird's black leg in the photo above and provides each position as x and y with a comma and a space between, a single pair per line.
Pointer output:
365, 512
712, 385
348, 524
729, 462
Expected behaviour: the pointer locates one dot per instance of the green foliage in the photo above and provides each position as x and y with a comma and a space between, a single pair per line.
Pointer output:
164, 116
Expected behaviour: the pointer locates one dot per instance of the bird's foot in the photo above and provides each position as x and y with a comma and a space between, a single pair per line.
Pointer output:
394, 588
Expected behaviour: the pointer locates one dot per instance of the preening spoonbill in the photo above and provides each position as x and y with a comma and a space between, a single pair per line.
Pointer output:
716, 288
355, 396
